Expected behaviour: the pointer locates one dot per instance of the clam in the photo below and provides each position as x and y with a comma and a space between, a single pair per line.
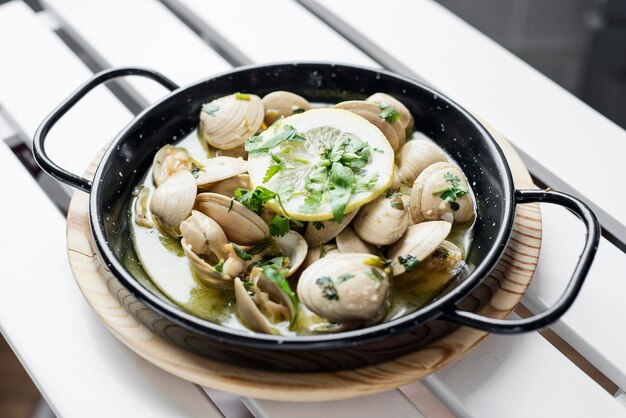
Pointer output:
263, 302
415, 156
382, 221
219, 168
294, 247
345, 287
228, 186
173, 201
406, 119
393, 131
349, 242
241, 225
205, 271
447, 257
315, 253
419, 242
169, 160
317, 233
226, 123
283, 103
235, 263
204, 235
441, 191
142, 217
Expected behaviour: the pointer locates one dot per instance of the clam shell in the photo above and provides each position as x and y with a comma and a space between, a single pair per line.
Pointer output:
228, 186
169, 160
317, 233
394, 131
419, 241
406, 119
234, 121
349, 242
240, 224
282, 103
206, 272
220, 168
173, 200
204, 235
295, 247
415, 156
380, 223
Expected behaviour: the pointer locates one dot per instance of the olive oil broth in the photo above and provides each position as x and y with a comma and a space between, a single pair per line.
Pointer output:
166, 267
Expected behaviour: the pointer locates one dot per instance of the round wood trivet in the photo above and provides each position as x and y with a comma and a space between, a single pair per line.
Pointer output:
496, 297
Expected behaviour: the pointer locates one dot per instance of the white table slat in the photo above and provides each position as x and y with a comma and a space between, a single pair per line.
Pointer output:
139, 33
280, 30
38, 72
539, 117
392, 403
520, 376
589, 326
78, 365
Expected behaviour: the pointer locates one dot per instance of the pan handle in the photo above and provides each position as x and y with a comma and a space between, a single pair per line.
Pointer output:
550, 315
39, 139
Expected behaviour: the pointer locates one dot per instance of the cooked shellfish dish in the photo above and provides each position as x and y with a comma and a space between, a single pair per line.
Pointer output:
285, 217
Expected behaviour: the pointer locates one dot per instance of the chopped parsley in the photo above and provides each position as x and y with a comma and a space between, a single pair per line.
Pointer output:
279, 226
297, 110
254, 199
210, 109
288, 133
328, 288
335, 177
219, 266
388, 113
441, 252
450, 193
409, 262
345, 277
241, 253
375, 275
323, 251
378, 262
274, 168
318, 225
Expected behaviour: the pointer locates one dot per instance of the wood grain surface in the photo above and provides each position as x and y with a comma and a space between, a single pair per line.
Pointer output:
497, 296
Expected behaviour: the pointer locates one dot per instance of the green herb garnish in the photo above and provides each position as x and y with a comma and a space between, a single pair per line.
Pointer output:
453, 191
242, 96
328, 288
409, 262
379, 262
318, 225
323, 251
288, 133
441, 252
344, 277
274, 275
274, 168
388, 113
219, 266
241, 253
279, 226
254, 199
376, 276
210, 109
297, 110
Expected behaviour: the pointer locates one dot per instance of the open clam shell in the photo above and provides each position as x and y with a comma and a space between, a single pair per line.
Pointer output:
419, 242
169, 160
228, 186
295, 248
204, 235
219, 168
205, 271
349, 242
227, 122
240, 224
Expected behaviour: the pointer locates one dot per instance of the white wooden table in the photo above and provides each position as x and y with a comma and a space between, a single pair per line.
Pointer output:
82, 370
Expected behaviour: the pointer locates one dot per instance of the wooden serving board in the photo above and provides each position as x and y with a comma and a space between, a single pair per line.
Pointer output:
496, 297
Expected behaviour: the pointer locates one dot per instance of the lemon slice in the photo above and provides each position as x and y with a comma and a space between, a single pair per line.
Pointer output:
322, 164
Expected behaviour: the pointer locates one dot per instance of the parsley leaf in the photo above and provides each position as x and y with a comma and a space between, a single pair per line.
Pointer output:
297, 110
450, 193
409, 262
274, 275
242, 96
341, 182
279, 226
318, 225
274, 168
328, 288
344, 277
254, 199
241, 253
210, 109
288, 133
219, 266
388, 113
